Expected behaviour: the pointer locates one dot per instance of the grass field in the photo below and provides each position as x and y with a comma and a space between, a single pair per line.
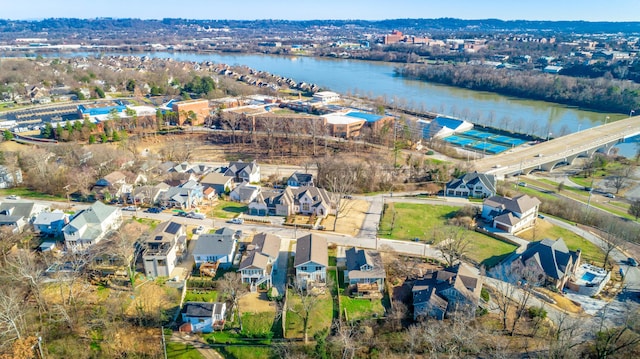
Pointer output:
182, 351
321, 315
357, 308
201, 296
228, 209
27, 193
245, 352
590, 252
488, 251
413, 220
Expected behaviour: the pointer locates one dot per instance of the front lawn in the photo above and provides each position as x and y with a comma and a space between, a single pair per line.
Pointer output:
228, 209
411, 220
321, 316
182, 351
245, 352
30, 194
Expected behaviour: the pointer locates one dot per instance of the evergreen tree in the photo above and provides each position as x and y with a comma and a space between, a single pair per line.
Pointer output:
47, 132
92, 139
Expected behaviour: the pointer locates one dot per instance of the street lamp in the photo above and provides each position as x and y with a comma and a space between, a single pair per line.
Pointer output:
606, 119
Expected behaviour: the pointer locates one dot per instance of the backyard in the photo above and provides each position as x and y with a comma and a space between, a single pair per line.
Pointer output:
321, 316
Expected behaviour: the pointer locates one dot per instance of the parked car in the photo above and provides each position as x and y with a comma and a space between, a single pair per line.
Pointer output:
13, 197
237, 221
198, 230
632, 262
196, 215
153, 210
588, 189
609, 195
130, 208
522, 184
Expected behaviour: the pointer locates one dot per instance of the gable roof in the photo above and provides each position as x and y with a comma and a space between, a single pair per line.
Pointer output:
238, 166
114, 177
246, 191
488, 181
255, 259
219, 243
356, 258
518, 204
552, 256
267, 243
96, 214
18, 209
215, 178
46, 218
458, 277
301, 177
311, 248
202, 309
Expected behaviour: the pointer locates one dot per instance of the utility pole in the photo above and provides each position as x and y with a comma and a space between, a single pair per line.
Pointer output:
164, 344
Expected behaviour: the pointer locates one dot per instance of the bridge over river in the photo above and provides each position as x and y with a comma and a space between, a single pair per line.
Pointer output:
547, 155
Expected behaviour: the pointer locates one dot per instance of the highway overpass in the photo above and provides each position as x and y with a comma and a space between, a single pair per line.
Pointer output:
547, 155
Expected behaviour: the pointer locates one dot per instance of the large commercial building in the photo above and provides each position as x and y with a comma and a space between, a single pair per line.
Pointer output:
193, 111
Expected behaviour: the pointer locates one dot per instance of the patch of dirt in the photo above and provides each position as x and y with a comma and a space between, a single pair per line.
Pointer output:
561, 301
256, 303
11, 146
350, 219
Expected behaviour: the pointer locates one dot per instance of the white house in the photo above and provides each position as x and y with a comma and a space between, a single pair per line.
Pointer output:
244, 193
91, 225
243, 171
18, 214
202, 317
163, 249
261, 259
477, 185
312, 259
217, 247
511, 214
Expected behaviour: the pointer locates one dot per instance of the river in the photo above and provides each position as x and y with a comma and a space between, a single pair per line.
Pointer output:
377, 79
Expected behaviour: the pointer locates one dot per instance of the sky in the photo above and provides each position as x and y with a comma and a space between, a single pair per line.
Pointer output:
587, 10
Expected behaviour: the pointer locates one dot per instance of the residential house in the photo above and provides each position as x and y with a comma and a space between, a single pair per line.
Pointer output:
261, 260
203, 317
446, 291
550, 261
218, 181
477, 185
216, 247
311, 261
113, 185
111, 258
243, 171
209, 194
244, 192
91, 225
50, 223
303, 200
365, 272
299, 179
511, 214
186, 196
148, 194
17, 214
163, 248
9, 178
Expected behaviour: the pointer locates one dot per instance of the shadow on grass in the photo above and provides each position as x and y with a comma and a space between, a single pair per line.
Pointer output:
494, 260
232, 209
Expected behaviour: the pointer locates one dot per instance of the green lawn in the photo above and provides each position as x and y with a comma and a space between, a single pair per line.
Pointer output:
257, 325
228, 209
245, 352
534, 193
27, 193
201, 296
357, 308
182, 351
488, 251
152, 223
413, 220
321, 315
590, 252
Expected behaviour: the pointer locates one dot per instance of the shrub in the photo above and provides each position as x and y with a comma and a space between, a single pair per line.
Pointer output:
537, 312
484, 294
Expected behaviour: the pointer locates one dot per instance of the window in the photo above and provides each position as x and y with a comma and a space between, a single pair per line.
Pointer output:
303, 268
162, 263
318, 268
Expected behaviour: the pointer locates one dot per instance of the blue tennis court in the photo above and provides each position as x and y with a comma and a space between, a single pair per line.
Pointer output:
460, 141
484, 141
507, 140
477, 134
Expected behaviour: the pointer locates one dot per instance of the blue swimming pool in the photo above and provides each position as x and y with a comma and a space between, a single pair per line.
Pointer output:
588, 277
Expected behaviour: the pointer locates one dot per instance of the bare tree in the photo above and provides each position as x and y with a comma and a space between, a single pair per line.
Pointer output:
616, 340
303, 309
339, 179
232, 287
566, 336
620, 178
12, 314
610, 241
454, 244
634, 209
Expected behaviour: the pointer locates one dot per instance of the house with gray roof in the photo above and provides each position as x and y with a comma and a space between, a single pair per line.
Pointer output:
446, 291
245, 192
242, 171
203, 317
551, 260
216, 247
311, 261
511, 214
163, 249
299, 179
261, 260
50, 223
476, 185
365, 272
303, 200
218, 181
91, 225
18, 214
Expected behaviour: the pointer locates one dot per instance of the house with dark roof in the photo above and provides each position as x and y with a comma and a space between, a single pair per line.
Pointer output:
218, 181
216, 247
243, 171
260, 260
311, 261
551, 260
299, 179
203, 317
446, 291
511, 214
50, 223
477, 185
365, 271
303, 200
163, 249
91, 225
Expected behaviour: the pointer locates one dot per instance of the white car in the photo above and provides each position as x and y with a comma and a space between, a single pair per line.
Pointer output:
13, 197
130, 208
237, 221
